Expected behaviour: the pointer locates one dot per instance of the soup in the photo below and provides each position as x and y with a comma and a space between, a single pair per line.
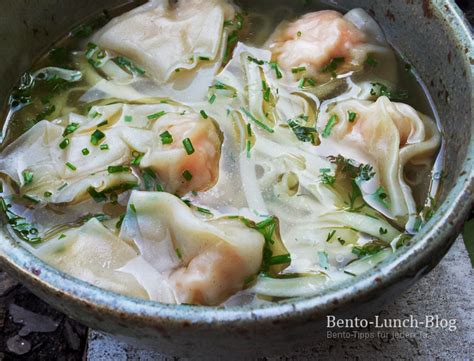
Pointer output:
203, 152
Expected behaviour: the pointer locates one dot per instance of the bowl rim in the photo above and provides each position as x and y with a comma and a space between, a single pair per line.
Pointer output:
437, 234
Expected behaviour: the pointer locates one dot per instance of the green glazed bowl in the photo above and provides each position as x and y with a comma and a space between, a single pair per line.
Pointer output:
435, 38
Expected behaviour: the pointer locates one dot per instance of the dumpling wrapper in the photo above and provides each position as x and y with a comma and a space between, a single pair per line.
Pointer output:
390, 134
163, 38
204, 261
129, 129
93, 254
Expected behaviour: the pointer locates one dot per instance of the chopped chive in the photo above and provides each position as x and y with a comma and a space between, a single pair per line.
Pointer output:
204, 114
204, 211
71, 128
47, 194
62, 236
298, 69
256, 121
97, 136
212, 99
383, 230
187, 175
96, 114
188, 146
323, 260
255, 60
249, 147
166, 137
298, 34
249, 129
30, 199
104, 147
178, 253
330, 235
274, 66
266, 94
62, 187
118, 169
120, 221
204, 58
132, 207
156, 115
331, 122
281, 259
341, 241
102, 123
128, 118
332, 66
350, 273
159, 188
352, 116
27, 177
65, 142
137, 158
71, 166
85, 151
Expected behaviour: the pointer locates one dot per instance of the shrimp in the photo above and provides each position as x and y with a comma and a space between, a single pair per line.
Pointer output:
191, 161
307, 46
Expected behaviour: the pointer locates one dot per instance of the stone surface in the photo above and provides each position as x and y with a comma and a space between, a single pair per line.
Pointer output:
447, 292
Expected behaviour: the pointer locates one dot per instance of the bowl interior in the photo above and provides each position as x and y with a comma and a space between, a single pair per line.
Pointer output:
443, 60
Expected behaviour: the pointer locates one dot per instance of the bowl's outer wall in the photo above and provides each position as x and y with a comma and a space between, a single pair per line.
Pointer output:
435, 40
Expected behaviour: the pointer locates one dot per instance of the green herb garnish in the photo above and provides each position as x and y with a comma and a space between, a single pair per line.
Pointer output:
97, 136
156, 115
188, 146
330, 124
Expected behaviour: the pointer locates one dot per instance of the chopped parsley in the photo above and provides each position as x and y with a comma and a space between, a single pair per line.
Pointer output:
369, 249
382, 197
379, 89
371, 61
326, 178
305, 134
22, 228
332, 66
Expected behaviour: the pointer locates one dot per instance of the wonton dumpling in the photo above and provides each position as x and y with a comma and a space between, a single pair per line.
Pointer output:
390, 134
314, 40
93, 254
205, 261
163, 37
172, 160
65, 175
